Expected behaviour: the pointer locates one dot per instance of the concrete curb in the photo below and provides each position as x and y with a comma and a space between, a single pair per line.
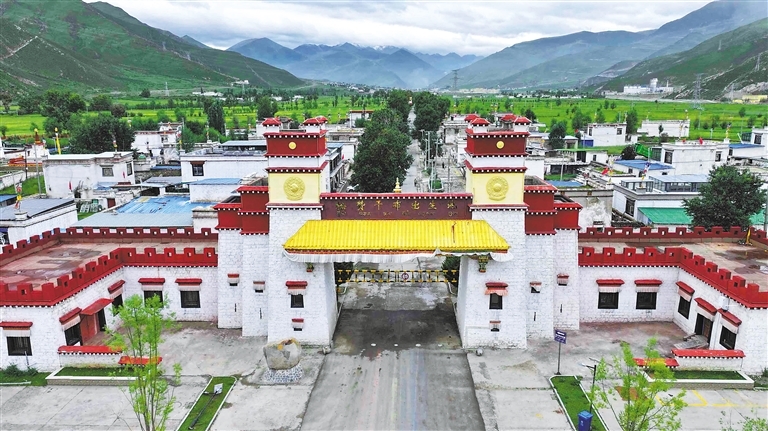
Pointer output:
562, 404
746, 384
55, 380
184, 419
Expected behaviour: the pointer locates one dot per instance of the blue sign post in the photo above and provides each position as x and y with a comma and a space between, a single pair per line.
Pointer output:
560, 337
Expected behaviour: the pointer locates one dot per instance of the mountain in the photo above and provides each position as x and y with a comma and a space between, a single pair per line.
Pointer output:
570, 60
386, 66
729, 58
266, 50
448, 62
194, 42
97, 47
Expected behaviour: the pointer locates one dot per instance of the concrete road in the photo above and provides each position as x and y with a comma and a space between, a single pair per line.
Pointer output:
396, 364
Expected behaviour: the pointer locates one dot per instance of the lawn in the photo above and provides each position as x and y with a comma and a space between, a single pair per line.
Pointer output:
567, 387
93, 372
12, 375
207, 406
28, 187
705, 374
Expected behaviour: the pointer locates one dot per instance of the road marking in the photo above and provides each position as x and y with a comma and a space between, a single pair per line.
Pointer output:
697, 395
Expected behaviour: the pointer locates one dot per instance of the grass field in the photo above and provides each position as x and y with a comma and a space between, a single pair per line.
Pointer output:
93, 372
574, 400
208, 409
28, 187
12, 375
705, 374
546, 110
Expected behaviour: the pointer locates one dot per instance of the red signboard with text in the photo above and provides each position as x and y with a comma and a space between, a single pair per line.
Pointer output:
396, 206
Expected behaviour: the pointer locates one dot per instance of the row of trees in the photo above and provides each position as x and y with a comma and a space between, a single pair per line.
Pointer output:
430, 111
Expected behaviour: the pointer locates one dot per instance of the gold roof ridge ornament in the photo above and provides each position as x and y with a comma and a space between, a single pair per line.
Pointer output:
397, 186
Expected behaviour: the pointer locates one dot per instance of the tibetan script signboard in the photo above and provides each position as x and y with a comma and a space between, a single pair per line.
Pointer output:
396, 206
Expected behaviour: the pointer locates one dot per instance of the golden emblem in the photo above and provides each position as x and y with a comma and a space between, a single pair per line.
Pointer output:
294, 188
497, 188
292, 145
500, 144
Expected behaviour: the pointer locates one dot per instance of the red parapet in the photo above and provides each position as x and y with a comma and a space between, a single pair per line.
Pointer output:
662, 234
89, 350
707, 353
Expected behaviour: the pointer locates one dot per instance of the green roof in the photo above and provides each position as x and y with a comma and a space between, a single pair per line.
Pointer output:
678, 216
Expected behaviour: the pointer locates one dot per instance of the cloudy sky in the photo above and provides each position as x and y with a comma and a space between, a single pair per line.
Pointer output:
465, 27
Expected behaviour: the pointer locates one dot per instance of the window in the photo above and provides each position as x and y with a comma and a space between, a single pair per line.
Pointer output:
727, 339
608, 300
117, 302
129, 168
594, 157
190, 299
106, 171
646, 301
618, 131
758, 139
668, 157
684, 307
495, 302
297, 301
495, 326
197, 170
19, 346
718, 156
73, 335
629, 207
153, 293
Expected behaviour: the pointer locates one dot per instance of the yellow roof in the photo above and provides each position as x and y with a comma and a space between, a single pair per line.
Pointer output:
396, 236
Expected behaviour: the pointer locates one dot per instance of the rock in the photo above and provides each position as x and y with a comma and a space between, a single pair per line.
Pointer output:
283, 355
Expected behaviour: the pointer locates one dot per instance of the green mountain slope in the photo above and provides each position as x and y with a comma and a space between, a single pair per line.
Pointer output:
729, 58
134, 54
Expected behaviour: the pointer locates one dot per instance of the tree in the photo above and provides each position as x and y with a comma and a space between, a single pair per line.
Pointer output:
93, 135
61, 104
642, 411
748, 424
751, 121
632, 122
557, 135
215, 114
143, 323
101, 102
382, 156
529, 114
117, 110
628, 153
600, 117
5, 100
3, 130
729, 199
144, 93
29, 104
399, 101
742, 112
452, 263
580, 120
267, 107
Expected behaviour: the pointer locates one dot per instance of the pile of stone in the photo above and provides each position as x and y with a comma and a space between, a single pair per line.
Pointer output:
283, 359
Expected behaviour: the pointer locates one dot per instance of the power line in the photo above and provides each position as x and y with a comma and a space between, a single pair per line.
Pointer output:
697, 92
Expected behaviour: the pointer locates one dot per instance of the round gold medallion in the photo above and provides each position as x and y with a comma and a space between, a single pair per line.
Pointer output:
497, 188
500, 144
292, 145
294, 188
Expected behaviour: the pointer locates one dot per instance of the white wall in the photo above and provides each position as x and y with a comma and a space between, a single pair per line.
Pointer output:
224, 167
87, 173
666, 299
607, 134
694, 158
211, 192
61, 218
672, 128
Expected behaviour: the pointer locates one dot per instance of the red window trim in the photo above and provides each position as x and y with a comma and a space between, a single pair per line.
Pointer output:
70, 315
706, 305
115, 286
296, 284
147, 280
15, 325
189, 281
609, 282
648, 282
685, 287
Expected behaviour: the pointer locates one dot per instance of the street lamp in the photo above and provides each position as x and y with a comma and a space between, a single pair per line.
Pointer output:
592, 388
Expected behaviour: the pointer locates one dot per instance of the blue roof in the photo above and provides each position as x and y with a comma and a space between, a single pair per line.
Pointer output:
166, 168
161, 205
4, 198
640, 165
737, 146
217, 182
566, 183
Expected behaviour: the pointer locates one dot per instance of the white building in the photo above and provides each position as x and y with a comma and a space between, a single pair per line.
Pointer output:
653, 88
154, 143
692, 157
656, 191
88, 176
35, 216
605, 135
356, 114
672, 128
232, 159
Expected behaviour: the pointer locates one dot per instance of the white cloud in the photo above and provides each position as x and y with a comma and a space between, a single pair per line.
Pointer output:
465, 27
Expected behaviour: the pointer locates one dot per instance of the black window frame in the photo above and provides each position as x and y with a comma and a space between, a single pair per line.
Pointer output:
648, 302
604, 304
727, 338
73, 335
129, 169
198, 170
297, 300
681, 306
105, 169
19, 346
117, 301
629, 207
150, 293
495, 302
189, 298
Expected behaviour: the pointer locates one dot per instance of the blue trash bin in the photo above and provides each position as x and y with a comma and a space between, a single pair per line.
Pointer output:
585, 421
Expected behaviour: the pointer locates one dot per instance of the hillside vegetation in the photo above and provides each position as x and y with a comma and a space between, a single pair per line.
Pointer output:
729, 58
97, 47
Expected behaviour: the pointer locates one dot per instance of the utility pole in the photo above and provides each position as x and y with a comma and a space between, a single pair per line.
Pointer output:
697, 92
